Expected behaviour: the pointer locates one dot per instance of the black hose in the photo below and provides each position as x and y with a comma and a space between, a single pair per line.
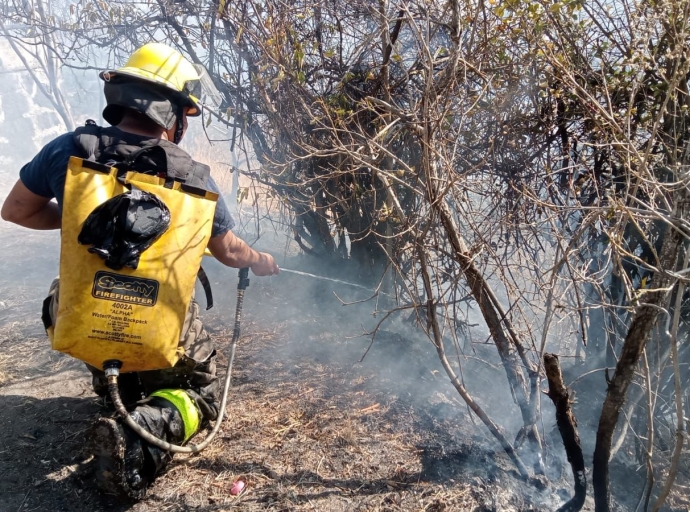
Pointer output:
112, 370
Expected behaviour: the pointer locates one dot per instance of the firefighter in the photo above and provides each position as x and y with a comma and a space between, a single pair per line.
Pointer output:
148, 102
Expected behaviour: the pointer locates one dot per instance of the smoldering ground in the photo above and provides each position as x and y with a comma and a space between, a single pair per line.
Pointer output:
310, 426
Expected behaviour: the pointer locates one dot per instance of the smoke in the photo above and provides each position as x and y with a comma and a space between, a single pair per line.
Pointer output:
332, 322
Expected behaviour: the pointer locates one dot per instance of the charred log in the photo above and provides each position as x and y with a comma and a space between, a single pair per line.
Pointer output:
567, 426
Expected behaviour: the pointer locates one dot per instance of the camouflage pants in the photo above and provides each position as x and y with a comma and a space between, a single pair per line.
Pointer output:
195, 372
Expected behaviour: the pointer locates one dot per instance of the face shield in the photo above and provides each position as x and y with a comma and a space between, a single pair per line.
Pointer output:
203, 90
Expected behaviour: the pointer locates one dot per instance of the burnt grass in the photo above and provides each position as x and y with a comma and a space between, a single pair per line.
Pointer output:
309, 426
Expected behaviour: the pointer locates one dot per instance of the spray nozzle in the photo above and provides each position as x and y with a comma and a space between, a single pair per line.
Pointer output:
244, 279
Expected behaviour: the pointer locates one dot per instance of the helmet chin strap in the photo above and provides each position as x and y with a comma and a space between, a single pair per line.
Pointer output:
179, 125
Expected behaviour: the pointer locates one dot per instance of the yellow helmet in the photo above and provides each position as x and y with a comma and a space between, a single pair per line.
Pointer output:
162, 65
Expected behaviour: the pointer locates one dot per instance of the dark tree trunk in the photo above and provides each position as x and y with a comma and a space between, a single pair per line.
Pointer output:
642, 323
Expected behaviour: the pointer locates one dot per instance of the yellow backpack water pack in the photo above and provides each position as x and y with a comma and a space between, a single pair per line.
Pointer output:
134, 316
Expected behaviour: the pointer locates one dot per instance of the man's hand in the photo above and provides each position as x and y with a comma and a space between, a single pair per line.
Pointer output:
266, 266
234, 252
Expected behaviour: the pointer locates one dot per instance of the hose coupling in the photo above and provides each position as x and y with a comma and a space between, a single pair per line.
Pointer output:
111, 367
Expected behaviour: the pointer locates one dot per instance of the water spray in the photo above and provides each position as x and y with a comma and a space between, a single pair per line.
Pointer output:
323, 278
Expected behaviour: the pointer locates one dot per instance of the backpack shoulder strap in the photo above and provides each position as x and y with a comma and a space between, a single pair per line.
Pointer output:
206, 284
199, 175
88, 140
182, 167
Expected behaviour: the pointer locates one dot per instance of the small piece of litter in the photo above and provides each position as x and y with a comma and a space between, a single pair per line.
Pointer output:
237, 487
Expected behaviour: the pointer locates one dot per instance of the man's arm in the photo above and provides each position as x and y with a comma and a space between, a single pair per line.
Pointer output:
30, 210
234, 252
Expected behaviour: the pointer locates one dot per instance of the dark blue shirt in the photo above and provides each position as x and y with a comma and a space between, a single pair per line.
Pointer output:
45, 176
